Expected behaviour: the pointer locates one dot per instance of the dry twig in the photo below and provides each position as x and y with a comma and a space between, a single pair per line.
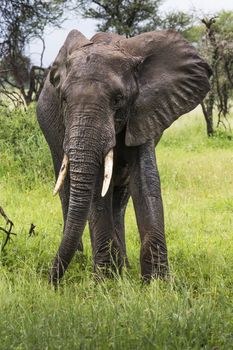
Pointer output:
6, 231
32, 230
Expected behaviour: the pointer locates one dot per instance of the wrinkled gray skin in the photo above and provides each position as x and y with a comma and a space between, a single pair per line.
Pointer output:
122, 93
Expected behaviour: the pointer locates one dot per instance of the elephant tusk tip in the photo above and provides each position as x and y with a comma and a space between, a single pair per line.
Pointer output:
104, 190
55, 191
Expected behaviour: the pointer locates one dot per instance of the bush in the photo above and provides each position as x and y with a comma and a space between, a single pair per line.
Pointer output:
24, 152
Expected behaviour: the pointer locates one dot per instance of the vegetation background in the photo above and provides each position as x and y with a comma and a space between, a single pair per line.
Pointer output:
192, 310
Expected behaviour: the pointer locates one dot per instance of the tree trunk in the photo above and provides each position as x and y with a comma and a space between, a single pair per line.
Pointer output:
208, 114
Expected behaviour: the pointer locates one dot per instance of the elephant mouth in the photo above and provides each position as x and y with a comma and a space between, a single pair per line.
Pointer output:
108, 168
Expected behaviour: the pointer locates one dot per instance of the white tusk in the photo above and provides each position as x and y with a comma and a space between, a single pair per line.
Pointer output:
108, 166
62, 175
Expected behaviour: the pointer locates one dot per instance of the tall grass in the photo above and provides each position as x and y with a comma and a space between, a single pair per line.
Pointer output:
192, 310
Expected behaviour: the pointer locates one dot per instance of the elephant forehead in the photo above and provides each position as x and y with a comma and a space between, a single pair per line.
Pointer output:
99, 55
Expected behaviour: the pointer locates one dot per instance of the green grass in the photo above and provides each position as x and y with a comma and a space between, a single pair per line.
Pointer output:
193, 310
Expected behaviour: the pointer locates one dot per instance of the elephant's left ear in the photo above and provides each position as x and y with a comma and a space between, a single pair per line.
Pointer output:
172, 80
74, 41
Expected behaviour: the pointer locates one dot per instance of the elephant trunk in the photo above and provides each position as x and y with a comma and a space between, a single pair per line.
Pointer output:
85, 154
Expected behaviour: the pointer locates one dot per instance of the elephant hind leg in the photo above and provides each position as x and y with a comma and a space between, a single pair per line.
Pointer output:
107, 252
120, 199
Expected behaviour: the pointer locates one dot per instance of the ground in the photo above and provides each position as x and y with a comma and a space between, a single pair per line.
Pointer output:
192, 310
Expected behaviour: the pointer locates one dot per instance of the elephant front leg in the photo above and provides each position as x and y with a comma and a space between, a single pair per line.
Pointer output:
107, 253
147, 200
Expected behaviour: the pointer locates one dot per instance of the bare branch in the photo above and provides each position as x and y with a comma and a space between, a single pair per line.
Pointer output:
43, 50
8, 231
32, 230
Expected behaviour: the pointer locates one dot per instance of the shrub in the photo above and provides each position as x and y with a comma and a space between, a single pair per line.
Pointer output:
23, 150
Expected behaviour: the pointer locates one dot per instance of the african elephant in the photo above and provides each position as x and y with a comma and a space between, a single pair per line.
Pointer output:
103, 108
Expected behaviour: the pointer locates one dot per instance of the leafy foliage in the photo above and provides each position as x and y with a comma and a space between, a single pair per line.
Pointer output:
23, 20
23, 148
127, 17
176, 20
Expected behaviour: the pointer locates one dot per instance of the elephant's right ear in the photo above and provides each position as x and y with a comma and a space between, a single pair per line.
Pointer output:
172, 80
73, 42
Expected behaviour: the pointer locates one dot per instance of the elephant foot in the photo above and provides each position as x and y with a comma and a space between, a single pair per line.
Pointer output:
160, 271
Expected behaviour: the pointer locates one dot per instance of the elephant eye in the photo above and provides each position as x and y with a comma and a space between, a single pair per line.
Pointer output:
118, 99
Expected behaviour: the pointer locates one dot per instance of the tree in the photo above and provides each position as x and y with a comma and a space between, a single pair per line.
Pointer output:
131, 17
21, 21
218, 49
177, 20
128, 17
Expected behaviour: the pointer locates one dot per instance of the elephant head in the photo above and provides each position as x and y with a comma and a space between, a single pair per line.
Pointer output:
108, 84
